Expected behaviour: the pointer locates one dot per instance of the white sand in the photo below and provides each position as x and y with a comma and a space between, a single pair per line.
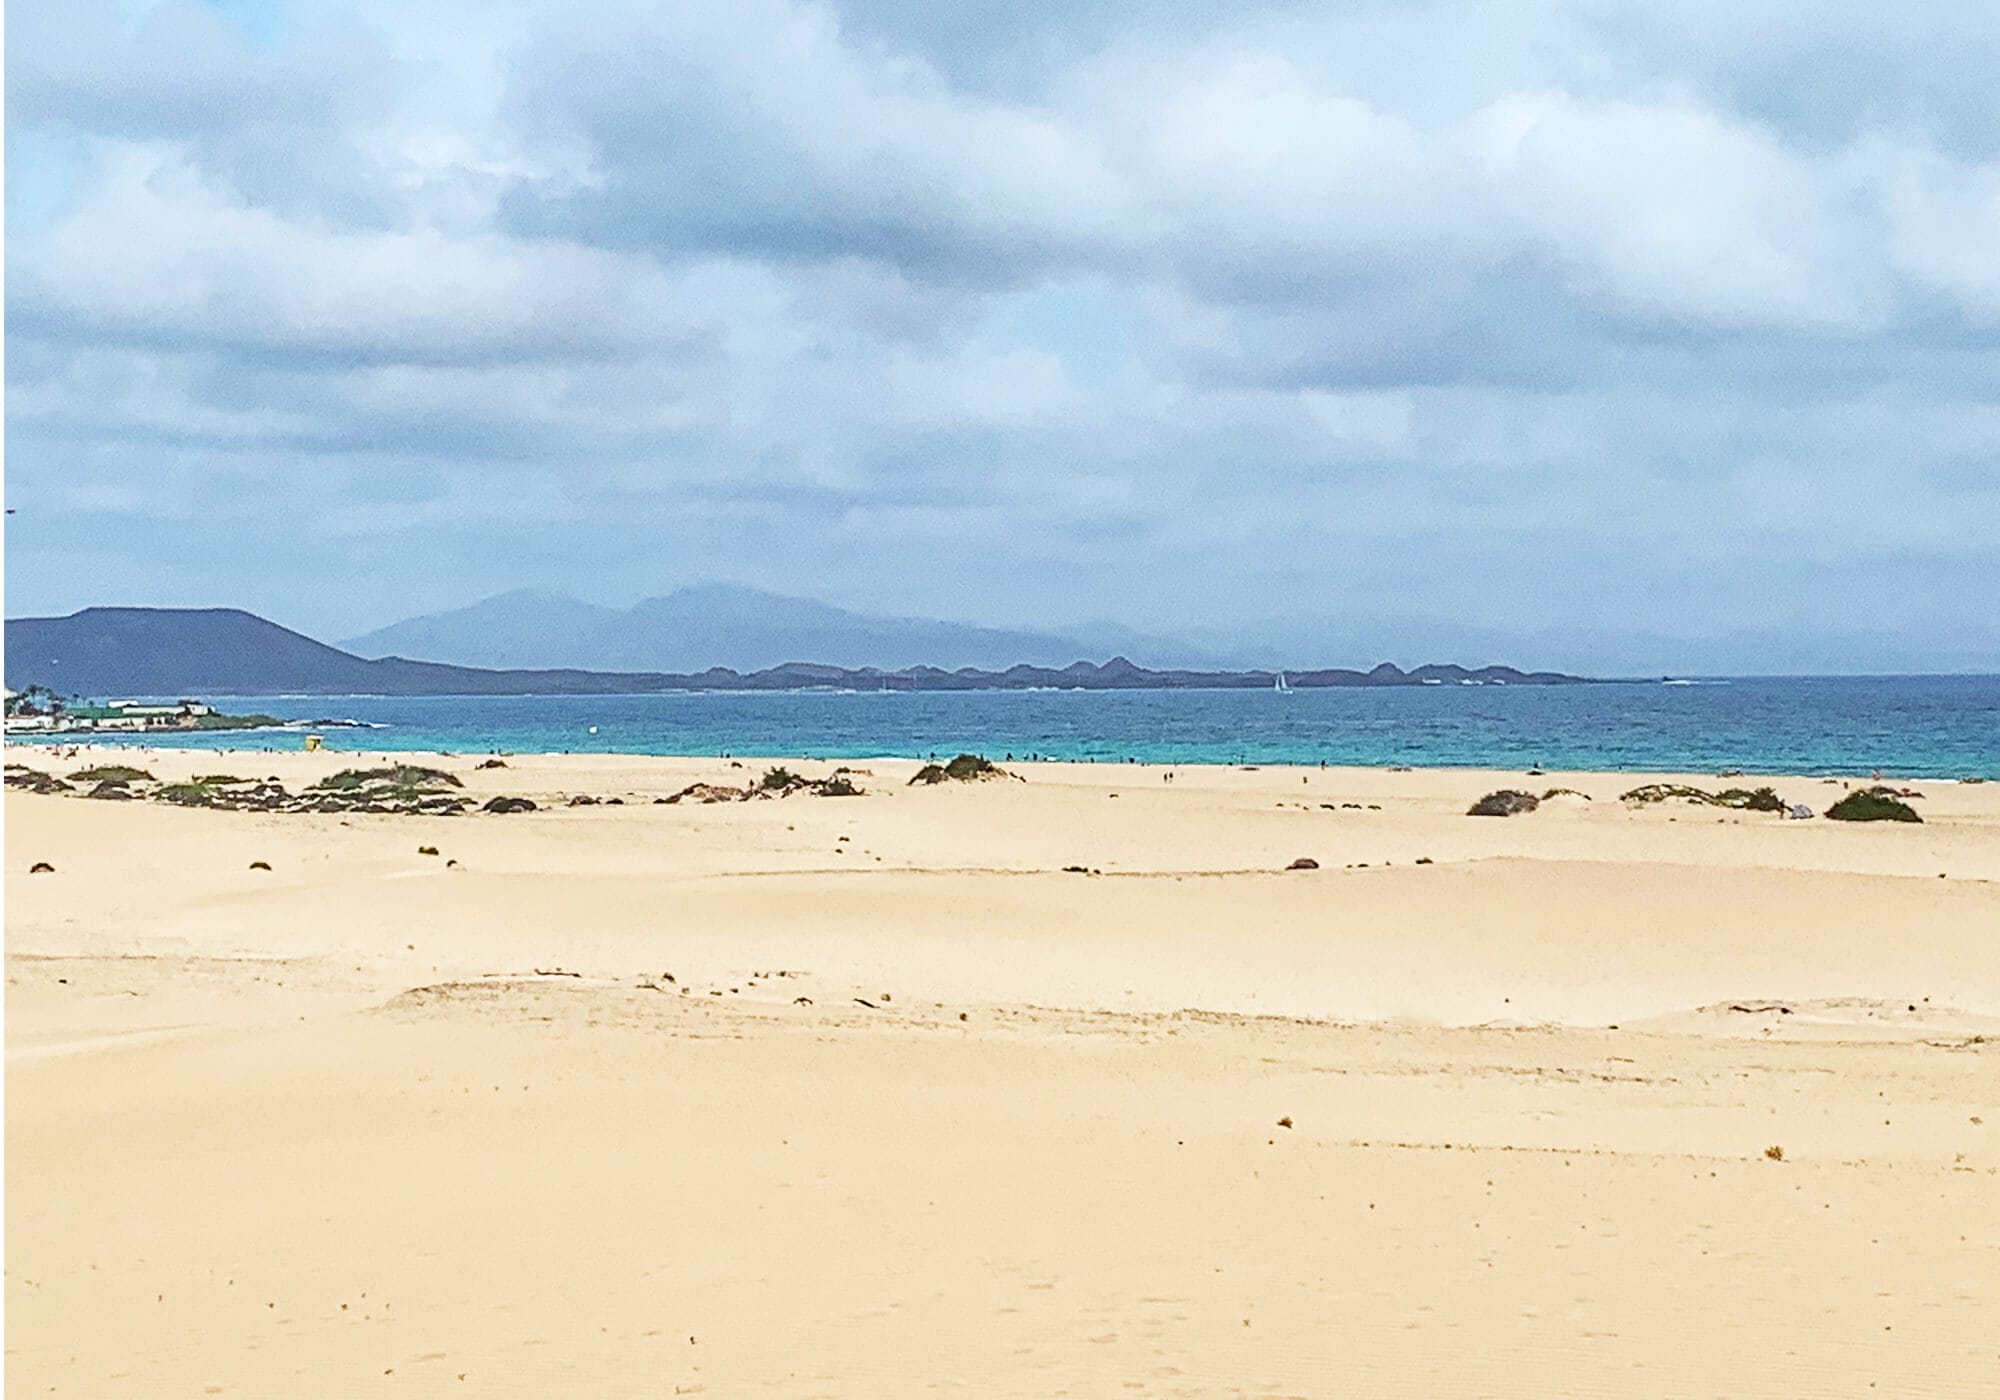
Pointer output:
230, 1114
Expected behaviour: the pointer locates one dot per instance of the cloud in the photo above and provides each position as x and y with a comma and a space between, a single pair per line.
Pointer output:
1029, 308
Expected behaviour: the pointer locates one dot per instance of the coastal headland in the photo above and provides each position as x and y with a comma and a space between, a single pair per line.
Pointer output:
1077, 1079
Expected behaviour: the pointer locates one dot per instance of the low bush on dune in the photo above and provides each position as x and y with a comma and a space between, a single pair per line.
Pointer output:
1504, 803
1761, 799
35, 780
196, 794
1872, 805
220, 779
401, 775
966, 768
779, 778
1649, 793
112, 773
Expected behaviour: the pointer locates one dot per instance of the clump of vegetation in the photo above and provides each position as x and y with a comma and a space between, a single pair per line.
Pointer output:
1556, 792
1761, 799
195, 794
503, 805
1872, 805
778, 778
220, 779
35, 780
706, 794
839, 785
427, 850
967, 767
1649, 793
112, 773
400, 775
1775, 1153
1505, 803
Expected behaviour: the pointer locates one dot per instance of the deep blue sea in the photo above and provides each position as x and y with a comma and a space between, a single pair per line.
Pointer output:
1915, 726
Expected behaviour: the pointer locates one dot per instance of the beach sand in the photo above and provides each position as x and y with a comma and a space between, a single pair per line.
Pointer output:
869, 1097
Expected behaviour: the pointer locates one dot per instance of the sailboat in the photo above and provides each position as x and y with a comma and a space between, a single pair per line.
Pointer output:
1283, 687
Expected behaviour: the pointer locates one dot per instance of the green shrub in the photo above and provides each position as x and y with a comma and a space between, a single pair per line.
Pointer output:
1662, 792
779, 778
1872, 805
968, 766
1761, 799
112, 773
1504, 803
401, 775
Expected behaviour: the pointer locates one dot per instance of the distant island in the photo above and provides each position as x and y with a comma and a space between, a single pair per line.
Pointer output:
226, 651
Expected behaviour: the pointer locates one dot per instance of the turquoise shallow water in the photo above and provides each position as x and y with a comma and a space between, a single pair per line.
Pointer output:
1904, 725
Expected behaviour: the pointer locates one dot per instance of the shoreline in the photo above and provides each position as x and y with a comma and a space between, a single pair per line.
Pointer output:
1693, 775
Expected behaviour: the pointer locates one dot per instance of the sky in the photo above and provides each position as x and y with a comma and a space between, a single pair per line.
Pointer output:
1593, 333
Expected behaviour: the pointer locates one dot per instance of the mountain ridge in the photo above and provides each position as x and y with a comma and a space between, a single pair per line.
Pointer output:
719, 624
228, 651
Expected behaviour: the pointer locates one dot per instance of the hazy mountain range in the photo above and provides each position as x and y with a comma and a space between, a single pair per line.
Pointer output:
746, 629
107, 652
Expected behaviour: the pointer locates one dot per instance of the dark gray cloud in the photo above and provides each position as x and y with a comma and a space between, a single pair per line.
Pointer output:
1549, 319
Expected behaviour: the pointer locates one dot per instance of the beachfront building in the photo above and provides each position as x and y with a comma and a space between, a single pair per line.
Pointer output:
73, 717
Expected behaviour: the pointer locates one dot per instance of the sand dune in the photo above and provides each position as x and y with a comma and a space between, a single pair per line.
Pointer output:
871, 1097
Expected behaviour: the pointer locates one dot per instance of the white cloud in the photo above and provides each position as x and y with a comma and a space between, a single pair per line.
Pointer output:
1369, 422
155, 254
1136, 289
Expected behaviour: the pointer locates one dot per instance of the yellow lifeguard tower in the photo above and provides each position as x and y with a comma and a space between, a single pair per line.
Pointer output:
313, 741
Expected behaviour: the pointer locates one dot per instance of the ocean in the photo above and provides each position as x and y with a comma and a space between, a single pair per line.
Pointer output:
1914, 726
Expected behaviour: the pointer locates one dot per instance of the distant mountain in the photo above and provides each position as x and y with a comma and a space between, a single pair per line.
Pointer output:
107, 652
522, 628
717, 625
